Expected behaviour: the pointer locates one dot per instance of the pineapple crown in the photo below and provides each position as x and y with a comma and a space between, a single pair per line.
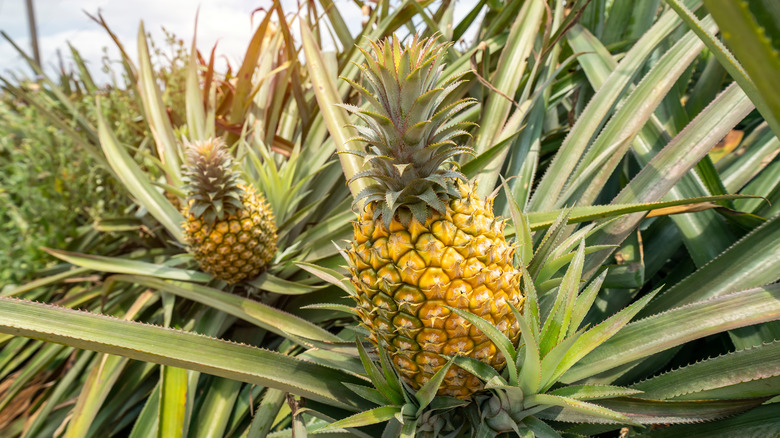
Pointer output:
213, 187
409, 133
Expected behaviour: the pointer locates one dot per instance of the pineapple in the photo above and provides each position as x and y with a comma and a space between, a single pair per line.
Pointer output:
229, 228
425, 239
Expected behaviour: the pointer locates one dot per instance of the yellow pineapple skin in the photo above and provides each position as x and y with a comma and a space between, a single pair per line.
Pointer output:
406, 275
237, 247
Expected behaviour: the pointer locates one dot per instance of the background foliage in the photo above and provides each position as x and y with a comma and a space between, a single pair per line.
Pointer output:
611, 108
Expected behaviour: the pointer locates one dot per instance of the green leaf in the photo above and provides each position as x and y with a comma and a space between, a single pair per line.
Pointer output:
41, 282
331, 276
15, 352
61, 98
596, 336
666, 168
553, 360
554, 264
146, 424
762, 421
525, 243
444, 402
338, 360
500, 340
387, 368
137, 182
589, 410
530, 378
427, 392
506, 79
543, 219
272, 283
480, 369
130, 382
126, 266
210, 322
373, 416
335, 116
629, 270
61, 388
325, 230
657, 412
335, 307
177, 348
265, 418
550, 241
369, 394
105, 371
753, 261
557, 324
752, 43
632, 115
172, 401
267, 317
749, 161
751, 372
217, 408
193, 99
701, 246
377, 377
156, 114
531, 302
585, 302
593, 392
477, 165
766, 183
540, 428
337, 22
677, 326
552, 184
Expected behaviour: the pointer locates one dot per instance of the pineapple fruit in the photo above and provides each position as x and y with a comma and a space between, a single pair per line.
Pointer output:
229, 228
425, 239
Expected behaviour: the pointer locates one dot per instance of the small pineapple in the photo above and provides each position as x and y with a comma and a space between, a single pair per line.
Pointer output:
425, 239
230, 229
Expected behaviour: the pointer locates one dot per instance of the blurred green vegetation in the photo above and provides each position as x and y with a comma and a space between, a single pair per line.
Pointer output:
53, 190
583, 102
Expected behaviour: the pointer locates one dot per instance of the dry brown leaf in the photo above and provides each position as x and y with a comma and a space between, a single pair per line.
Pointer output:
726, 145
687, 208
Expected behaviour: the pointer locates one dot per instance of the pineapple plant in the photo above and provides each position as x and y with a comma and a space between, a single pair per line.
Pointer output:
425, 240
599, 349
229, 227
274, 158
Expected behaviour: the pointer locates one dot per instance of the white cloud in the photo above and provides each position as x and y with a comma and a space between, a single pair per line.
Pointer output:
226, 22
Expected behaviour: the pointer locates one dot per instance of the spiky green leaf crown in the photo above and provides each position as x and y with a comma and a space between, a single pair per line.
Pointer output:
410, 134
212, 185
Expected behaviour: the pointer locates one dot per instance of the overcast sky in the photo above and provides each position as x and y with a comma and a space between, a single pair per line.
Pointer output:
227, 22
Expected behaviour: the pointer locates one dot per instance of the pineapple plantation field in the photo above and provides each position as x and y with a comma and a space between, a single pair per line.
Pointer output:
546, 218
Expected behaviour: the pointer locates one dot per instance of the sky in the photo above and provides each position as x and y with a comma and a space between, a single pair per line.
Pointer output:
226, 22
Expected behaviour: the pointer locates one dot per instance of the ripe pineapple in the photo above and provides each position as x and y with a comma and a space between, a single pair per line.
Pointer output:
425, 239
230, 228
